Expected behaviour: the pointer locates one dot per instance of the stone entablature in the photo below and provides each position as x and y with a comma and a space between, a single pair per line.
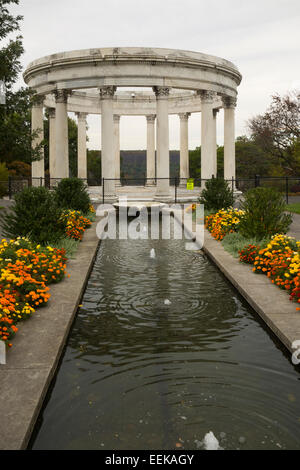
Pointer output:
138, 103
127, 67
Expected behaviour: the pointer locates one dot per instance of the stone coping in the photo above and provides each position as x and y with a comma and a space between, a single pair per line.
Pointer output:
37, 348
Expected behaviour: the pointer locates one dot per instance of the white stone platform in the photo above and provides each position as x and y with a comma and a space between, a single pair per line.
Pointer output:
144, 194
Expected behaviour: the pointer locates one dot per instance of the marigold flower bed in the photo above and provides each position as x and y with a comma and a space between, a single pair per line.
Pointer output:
279, 260
223, 222
75, 224
27, 269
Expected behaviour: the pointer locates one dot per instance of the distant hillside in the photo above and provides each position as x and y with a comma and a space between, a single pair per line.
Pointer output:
133, 163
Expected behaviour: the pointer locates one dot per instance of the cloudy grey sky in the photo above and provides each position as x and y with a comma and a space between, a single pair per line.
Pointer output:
261, 37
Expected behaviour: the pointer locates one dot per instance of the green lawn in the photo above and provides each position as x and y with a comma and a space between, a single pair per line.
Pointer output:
294, 207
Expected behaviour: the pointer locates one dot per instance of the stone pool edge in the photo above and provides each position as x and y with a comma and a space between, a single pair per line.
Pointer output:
270, 303
37, 349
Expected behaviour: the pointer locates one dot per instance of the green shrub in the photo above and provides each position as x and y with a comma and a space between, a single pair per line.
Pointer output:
235, 242
264, 214
68, 244
35, 215
71, 194
3, 179
216, 195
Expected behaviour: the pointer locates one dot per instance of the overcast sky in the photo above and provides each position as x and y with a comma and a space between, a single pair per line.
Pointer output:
261, 37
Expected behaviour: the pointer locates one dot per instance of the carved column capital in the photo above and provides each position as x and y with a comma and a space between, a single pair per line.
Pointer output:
107, 92
117, 118
151, 118
229, 101
61, 96
184, 116
81, 116
51, 113
206, 96
38, 101
161, 92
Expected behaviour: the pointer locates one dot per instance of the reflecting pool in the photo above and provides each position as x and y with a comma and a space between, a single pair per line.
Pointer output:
163, 351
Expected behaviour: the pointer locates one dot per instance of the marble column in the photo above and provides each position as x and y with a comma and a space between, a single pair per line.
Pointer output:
215, 163
184, 148
37, 127
117, 147
162, 143
150, 149
108, 146
61, 135
207, 135
229, 104
81, 146
52, 139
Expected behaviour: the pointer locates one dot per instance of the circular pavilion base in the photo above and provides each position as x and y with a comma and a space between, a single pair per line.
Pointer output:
144, 194
139, 205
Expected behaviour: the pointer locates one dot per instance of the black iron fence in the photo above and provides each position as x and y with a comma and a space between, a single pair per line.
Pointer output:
185, 188
177, 188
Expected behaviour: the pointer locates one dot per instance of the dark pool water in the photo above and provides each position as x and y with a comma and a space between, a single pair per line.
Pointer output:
139, 374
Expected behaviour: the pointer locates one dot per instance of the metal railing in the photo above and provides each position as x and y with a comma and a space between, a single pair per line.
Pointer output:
289, 186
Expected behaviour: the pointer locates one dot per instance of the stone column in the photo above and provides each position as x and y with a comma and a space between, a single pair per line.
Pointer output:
184, 148
108, 147
37, 126
207, 135
162, 143
229, 104
150, 149
215, 166
81, 146
52, 139
117, 147
61, 135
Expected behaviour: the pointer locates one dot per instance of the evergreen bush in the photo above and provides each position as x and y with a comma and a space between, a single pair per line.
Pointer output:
3, 179
216, 195
35, 215
264, 214
71, 194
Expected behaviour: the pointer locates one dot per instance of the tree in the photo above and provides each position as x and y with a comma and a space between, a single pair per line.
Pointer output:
94, 164
72, 132
195, 162
15, 128
15, 118
277, 131
10, 65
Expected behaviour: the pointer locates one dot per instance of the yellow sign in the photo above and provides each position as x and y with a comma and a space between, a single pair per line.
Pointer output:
190, 184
